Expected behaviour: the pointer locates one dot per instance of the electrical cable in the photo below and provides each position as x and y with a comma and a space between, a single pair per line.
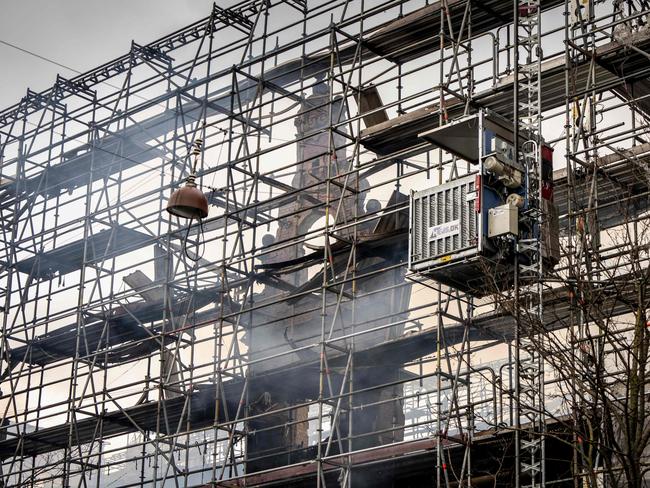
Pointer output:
44, 58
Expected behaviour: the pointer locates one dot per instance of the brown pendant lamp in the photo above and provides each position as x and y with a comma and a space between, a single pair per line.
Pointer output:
188, 201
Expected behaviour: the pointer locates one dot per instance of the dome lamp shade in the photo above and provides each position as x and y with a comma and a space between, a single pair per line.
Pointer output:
188, 201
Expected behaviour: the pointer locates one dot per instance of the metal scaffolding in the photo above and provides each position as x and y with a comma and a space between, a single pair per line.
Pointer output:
282, 341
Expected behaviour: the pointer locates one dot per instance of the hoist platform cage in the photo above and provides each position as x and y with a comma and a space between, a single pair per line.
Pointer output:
452, 226
447, 238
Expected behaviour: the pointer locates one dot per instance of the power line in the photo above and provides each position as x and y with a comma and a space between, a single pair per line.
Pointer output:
44, 58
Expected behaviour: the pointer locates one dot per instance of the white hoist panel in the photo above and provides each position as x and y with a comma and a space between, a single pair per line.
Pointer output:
443, 221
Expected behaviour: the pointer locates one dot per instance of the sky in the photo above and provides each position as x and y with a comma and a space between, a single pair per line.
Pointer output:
79, 34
